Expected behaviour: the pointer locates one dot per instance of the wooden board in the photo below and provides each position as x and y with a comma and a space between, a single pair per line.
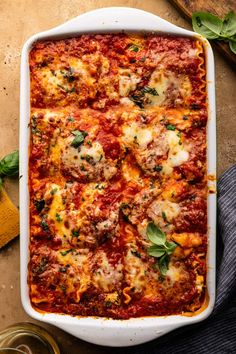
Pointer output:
219, 8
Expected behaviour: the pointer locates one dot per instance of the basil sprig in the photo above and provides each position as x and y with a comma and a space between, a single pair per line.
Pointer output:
9, 166
212, 27
160, 248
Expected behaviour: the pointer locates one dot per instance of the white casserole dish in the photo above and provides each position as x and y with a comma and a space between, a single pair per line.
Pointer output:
104, 331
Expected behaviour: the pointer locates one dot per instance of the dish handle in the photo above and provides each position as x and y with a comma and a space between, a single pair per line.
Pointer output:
112, 19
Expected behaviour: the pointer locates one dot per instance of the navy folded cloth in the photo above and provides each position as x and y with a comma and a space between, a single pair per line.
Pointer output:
217, 334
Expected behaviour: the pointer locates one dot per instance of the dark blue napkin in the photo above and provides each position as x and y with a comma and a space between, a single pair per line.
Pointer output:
217, 334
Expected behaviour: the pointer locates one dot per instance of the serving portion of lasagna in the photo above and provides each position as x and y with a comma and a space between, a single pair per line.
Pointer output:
117, 176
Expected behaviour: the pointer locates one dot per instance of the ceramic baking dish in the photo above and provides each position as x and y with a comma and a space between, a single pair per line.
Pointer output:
104, 331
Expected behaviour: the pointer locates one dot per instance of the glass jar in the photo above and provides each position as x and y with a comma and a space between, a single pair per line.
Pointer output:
27, 338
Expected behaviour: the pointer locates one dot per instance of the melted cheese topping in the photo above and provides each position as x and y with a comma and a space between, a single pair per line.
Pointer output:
135, 271
87, 161
174, 274
106, 276
127, 81
79, 270
59, 215
162, 82
177, 155
157, 209
136, 135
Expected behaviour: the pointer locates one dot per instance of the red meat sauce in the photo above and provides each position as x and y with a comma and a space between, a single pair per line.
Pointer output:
193, 204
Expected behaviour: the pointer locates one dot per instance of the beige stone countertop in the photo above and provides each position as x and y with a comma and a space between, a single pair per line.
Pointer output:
19, 20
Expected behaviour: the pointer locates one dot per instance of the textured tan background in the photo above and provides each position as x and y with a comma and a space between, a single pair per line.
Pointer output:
19, 20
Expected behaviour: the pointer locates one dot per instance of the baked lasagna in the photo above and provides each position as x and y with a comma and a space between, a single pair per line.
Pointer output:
117, 176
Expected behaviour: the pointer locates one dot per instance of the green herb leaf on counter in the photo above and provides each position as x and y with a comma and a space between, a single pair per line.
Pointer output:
229, 24
232, 45
160, 248
207, 25
9, 165
212, 27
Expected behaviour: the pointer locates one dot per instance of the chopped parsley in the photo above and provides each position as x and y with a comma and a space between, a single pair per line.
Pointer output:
158, 168
150, 90
195, 106
69, 74
99, 186
44, 225
53, 191
75, 233
58, 217
136, 253
39, 205
64, 253
139, 97
66, 89
64, 269
164, 216
170, 127
125, 208
142, 59
134, 48
136, 140
79, 138
88, 158
63, 288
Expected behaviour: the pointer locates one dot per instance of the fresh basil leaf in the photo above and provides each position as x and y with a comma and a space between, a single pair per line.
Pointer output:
232, 45
9, 165
39, 205
171, 246
163, 264
155, 235
229, 25
1, 182
155, 251
206, 24
136, 253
